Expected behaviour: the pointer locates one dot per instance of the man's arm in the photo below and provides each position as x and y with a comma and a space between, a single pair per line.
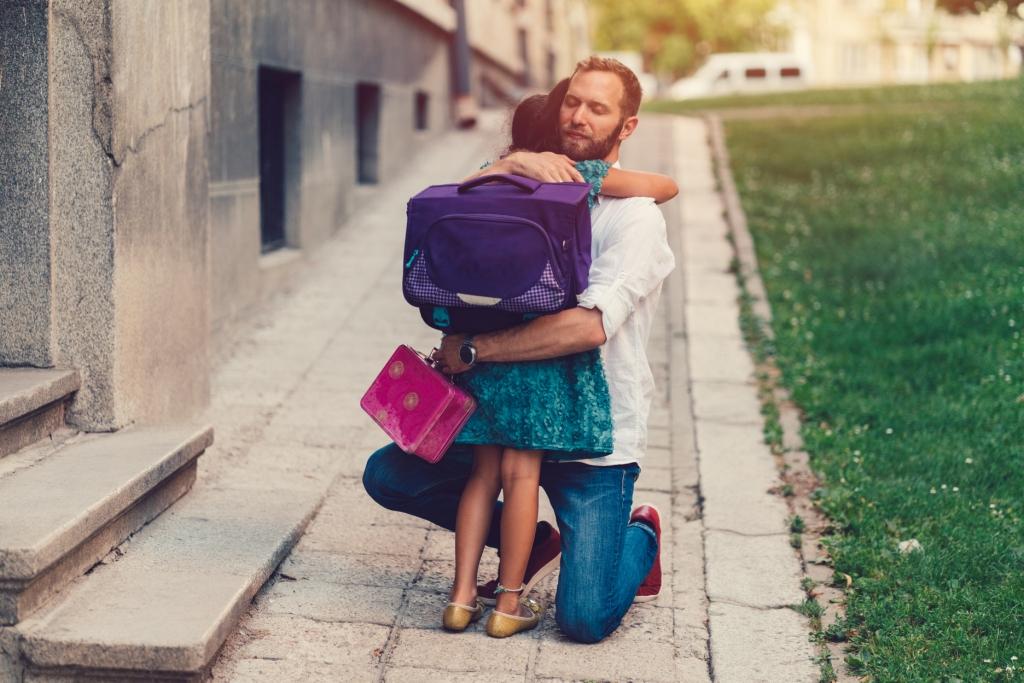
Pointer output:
549, 336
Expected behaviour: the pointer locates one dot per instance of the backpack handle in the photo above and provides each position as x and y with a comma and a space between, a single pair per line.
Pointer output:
528, 184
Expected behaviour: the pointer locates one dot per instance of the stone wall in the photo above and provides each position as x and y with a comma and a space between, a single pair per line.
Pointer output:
104, 202
24, 206
333, 44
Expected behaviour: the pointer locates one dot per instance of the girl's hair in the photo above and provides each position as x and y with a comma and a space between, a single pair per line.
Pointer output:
535, 121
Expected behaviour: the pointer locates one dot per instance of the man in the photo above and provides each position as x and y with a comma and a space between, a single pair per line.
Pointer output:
609, 557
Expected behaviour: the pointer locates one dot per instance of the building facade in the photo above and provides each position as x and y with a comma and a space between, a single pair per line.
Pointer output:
169, 165
859, 42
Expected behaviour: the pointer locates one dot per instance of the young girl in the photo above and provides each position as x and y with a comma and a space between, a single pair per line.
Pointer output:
526, 410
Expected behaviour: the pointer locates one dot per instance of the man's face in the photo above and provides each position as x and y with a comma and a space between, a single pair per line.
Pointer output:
590, 121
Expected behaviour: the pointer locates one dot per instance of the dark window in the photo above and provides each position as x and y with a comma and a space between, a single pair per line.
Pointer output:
367, 131
524, 54
422, 111
279, 107
790, 72
756, 73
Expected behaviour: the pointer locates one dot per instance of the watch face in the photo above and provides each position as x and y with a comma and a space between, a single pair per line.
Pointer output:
466, 354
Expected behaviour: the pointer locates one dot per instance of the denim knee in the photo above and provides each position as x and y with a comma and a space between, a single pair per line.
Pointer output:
582, 625
376, 478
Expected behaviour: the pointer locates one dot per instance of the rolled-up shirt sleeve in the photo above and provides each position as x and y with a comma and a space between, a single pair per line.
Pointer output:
631, 262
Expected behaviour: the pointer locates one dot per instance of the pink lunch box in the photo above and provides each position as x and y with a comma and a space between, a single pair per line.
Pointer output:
417, 406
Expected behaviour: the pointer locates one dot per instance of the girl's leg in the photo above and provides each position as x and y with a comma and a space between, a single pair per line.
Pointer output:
520, 479
474, 519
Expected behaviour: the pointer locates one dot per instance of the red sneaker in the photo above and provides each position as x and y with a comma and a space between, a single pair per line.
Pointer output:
651, 587
544, 559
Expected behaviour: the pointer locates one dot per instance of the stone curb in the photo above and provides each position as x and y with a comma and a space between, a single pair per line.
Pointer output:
794, 457
752, 573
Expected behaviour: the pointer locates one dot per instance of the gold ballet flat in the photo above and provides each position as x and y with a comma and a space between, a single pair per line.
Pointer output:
501, 625
457, 616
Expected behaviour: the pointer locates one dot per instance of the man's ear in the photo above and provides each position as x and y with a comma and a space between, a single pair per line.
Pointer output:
628, 127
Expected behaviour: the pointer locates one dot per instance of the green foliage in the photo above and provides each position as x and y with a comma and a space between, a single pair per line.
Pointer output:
675, 35
891, 247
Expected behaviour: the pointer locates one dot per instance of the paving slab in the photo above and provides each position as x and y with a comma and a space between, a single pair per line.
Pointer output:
750, 645
472, 650
713, 320
719, 359
756, 571
727, 402
737, 473
326, 601
303, 650
614, 659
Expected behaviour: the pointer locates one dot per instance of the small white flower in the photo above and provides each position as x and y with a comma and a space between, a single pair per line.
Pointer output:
888, 430
933, 490
943, 487
992, 505
969, 461
956, 488
909, 546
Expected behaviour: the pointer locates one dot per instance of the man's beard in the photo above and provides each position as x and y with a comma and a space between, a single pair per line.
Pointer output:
583, 149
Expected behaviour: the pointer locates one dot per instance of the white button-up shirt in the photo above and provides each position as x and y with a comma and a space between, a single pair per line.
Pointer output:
631, 259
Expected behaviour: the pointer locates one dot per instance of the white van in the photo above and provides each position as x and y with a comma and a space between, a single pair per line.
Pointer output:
731, 73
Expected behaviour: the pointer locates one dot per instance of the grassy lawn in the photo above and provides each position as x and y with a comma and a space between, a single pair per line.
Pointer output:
892, 248
913, 95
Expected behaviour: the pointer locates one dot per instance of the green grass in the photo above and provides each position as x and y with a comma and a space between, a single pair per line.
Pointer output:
892, 247
994, 92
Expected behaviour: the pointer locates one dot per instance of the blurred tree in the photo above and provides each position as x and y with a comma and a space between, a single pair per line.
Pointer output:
674, 36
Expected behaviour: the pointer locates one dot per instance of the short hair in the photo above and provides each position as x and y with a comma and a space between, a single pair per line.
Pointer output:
632, 92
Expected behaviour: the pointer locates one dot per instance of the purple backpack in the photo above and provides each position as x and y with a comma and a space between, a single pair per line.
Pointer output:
495, 251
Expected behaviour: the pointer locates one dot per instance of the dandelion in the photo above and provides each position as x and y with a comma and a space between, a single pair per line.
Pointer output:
888, 430
943, 487
969, 461
955, 489
933, 491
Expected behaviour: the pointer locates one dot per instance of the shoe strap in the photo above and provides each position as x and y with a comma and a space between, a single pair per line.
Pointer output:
502, 589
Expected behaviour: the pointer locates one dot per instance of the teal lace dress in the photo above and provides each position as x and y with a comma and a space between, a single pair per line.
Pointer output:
560, 405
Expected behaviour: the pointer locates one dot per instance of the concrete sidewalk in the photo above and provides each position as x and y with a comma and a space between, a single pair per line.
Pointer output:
360, 596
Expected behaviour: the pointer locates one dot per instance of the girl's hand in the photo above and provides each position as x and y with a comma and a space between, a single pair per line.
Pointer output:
545, 166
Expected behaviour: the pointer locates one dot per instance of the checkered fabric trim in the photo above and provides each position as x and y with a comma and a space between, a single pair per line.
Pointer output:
546, 296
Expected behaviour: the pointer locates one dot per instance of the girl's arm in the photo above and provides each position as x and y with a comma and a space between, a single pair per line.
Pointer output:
622, 183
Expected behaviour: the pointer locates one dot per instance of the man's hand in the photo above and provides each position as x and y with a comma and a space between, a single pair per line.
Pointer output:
546, 166
447, 355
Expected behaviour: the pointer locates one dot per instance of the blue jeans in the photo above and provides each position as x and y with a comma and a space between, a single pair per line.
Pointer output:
604, 558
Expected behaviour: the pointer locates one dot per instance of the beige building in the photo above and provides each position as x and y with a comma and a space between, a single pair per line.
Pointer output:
848, 42
524, 45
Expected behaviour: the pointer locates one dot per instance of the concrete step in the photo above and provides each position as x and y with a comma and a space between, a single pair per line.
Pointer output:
62, 513
163, 610
32, 404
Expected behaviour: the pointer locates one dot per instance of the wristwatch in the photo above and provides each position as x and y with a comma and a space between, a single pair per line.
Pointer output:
467, 352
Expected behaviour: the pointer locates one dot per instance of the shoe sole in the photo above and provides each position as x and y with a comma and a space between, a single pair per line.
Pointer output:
541, 574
